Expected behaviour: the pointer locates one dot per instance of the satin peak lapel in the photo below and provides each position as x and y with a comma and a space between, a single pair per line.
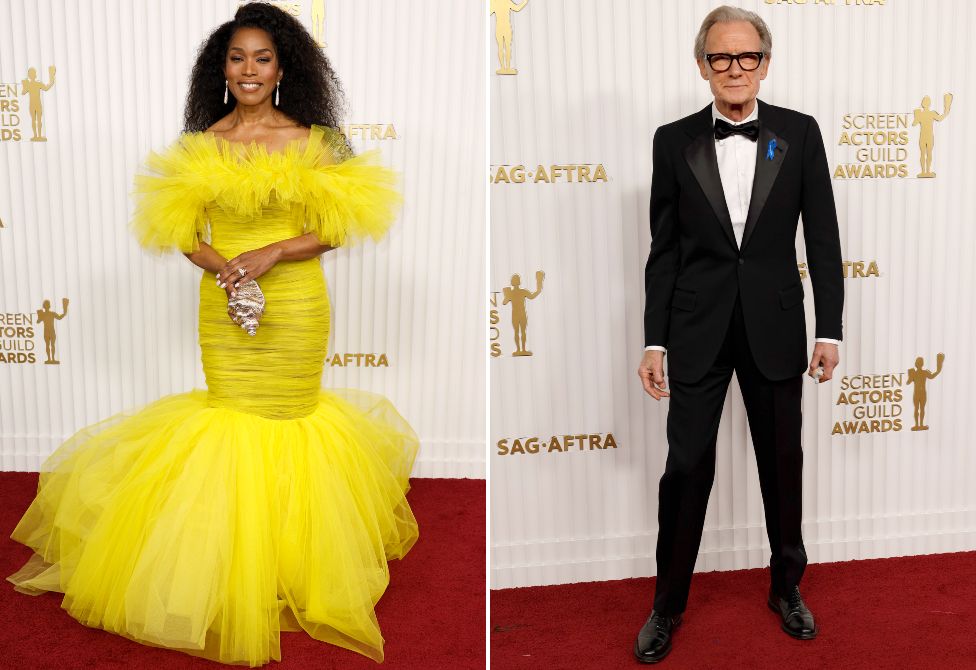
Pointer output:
766, 172
701, 158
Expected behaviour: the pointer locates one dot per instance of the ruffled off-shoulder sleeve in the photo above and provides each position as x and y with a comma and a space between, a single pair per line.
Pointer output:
346, 197
343, 197
171, 196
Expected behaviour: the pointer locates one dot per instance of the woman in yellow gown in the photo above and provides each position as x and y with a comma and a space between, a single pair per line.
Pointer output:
211, 520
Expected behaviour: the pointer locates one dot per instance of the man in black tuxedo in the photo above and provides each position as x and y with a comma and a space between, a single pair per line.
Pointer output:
724, 294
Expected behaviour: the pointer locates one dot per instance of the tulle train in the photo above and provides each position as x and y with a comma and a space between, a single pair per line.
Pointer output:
210, 530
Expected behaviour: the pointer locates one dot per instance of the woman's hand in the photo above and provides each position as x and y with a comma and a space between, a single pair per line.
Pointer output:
254, 264
229, 288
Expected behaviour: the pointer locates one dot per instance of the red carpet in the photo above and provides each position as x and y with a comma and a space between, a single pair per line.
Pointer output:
906, 613
432, 615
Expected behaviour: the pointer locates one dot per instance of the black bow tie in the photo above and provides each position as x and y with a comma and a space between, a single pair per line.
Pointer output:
723, 129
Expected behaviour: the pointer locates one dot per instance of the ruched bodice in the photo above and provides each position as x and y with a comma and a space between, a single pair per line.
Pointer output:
231, 234
277, 372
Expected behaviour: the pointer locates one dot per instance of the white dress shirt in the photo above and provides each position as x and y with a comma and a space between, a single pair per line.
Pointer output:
736, 156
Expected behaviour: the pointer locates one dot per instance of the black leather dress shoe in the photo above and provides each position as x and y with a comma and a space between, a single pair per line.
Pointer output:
795, 618
654, 639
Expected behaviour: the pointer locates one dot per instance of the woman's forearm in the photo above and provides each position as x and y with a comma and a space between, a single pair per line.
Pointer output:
299, 248
207, 258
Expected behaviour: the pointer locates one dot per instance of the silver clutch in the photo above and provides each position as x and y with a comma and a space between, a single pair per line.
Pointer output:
245, 309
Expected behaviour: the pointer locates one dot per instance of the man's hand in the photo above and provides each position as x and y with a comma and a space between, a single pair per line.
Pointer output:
826, 354
651, 373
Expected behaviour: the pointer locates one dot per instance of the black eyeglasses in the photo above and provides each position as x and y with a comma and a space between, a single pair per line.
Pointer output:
748, 60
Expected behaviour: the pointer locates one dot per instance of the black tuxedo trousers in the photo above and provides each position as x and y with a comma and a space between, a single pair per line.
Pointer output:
774, 412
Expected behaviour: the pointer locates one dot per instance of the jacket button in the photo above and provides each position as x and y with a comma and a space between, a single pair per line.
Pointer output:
742, 261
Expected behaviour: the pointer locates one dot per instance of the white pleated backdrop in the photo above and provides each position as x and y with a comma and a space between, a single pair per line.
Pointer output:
594, 81
411, 68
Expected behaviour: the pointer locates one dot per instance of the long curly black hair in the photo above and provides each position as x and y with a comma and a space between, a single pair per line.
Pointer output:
310, 90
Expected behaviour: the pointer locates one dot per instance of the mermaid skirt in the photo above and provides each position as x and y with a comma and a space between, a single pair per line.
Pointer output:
210, 521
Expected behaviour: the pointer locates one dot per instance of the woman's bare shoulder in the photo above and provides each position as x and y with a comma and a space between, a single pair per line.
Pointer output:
221, 126
292, 130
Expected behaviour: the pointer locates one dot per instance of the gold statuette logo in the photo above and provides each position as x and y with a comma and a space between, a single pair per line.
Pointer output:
318, 22
18, 330
873, 403
880, 141
47, 316
517, 297
503, 10
10, 110
919, 376
927, 118
33, 87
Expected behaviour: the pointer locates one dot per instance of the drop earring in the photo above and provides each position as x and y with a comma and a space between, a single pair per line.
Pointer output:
225, 91
277, 86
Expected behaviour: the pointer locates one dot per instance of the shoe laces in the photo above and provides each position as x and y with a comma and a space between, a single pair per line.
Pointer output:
794, 599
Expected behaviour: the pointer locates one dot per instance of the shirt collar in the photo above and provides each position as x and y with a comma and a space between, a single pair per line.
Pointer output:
718, 115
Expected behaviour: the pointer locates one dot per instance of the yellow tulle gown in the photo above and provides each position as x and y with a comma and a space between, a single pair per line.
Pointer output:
211, 520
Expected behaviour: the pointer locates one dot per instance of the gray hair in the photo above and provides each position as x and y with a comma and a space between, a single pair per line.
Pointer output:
726, 14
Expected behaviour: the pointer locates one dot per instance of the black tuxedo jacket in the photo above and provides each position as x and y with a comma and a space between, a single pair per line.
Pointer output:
695, 270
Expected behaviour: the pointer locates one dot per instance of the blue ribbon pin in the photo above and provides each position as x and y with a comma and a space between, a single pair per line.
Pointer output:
770, 149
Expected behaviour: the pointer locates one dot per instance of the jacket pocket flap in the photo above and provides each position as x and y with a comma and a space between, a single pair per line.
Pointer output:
791, 297
683, 300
